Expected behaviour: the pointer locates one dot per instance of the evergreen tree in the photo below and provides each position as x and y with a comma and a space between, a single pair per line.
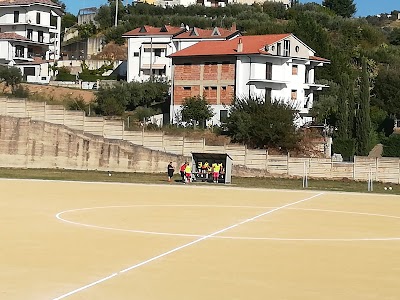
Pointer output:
344, 8
343, 108
351, 110
363, 121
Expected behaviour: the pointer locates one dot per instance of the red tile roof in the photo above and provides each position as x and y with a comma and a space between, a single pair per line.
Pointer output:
196, 33
20, 2
319, 58
12, 36
252, 44
150, 30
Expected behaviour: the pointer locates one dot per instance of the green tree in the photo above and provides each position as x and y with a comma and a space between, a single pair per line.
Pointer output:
11, 76
62, 4
68, 20
262, 124
391, 146
387, 91
129, 96
363, 120
343, 128
344, 8
104, 17
110, 102
196, 110
87, 30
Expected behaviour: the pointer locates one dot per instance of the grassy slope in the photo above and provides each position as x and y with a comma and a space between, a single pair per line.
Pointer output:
257, 182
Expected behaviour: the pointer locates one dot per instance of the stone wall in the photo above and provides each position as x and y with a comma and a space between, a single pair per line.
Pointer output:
34, 144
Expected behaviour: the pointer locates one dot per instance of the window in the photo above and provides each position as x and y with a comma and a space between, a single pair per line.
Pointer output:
16, 16
268, 92
214, 88
19, 51
29, 71
206, 88
30, 52
136, 54
268, 71
29, 34
157, 52
224, 88
40, 36
293, 95
286, 48
187, 88
38, 18
279, 49
53, 21
223, 115
295, 69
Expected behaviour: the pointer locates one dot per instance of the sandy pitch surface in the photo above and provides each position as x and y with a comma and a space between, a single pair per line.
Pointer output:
69, 240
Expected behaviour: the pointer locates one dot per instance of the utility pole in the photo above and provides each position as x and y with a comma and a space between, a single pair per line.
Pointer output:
116, 13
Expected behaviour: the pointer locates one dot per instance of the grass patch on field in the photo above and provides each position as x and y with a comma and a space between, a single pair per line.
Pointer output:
253, 182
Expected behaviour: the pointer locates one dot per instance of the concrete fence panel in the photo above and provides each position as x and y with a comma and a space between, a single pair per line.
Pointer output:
74, 119
55, 114
277, 164
16, 108
94, 125
113, 129
36, 110
364, 167
153, 140
388, 170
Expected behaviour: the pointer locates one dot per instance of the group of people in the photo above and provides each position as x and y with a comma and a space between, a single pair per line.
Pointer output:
185, 170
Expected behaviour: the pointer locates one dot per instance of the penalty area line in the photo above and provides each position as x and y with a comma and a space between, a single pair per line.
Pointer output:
183, 246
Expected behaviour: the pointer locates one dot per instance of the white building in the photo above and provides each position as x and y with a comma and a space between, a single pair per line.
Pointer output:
149, 47
277, 66
30, 36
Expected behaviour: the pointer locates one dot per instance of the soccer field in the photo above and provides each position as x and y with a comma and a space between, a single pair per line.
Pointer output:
75, 240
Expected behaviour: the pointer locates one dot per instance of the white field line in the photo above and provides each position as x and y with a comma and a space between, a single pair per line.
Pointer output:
183, 246
59, 216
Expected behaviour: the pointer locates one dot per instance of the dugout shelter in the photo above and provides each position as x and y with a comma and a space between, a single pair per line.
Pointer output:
201, 174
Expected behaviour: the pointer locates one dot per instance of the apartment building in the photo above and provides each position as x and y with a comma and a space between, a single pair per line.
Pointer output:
30, 36
276, 66
149, 47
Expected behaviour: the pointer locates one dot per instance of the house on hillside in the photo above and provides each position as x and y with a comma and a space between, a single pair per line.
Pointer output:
87, 15
30, 36
149, 47
276, 66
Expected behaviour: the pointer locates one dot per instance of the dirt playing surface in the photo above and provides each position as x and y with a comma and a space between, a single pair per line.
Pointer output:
60, 92
70, 240
55, 92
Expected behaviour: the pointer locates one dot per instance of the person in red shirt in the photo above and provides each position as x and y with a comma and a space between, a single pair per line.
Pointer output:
182, 171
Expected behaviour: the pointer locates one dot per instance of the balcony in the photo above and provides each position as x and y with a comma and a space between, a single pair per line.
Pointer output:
273, 83
315, 86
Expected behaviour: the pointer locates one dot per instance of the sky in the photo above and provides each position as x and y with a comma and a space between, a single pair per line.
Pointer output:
364, 7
